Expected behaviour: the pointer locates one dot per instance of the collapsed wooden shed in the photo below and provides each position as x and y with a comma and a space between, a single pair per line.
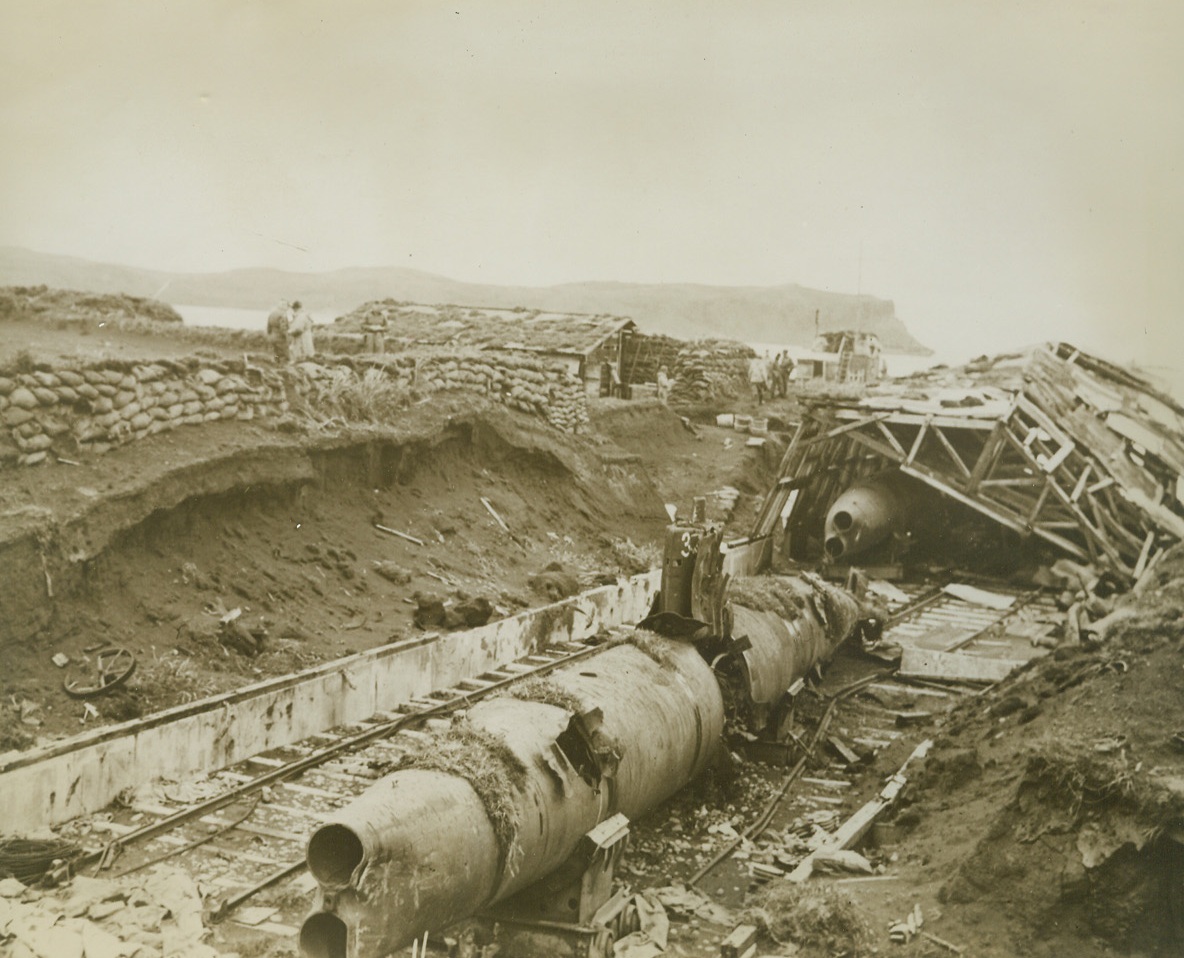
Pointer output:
1062, 446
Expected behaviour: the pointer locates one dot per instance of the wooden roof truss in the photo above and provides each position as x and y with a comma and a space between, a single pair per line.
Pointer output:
1049, 467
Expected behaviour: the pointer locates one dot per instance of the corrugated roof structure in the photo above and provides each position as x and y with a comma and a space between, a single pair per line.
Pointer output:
571, 334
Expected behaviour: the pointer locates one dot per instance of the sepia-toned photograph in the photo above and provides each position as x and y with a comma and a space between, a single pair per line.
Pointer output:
591, 480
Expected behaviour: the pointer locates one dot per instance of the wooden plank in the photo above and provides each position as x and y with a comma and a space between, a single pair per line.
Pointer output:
1040, 500
791, 463
1079, 488
902, 418
954, 666
852, 830
1141, 563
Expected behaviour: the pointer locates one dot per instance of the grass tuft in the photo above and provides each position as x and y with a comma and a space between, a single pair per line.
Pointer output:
547, 692
814, 914
485, 762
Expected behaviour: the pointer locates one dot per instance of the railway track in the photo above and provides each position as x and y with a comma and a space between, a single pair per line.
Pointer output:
870, 710
243, 830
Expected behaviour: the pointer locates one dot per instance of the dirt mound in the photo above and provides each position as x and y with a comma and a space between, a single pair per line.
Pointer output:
644, 427
1048, 818
67, 304
265, 557
704, 458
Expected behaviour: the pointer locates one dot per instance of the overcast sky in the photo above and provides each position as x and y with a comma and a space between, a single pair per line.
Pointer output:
1005, 172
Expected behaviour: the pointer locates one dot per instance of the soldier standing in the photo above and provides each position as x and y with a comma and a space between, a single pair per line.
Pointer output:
300, 334
277, 331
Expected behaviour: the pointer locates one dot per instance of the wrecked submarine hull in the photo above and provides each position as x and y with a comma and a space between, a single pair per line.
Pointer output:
419, 850
870, 512
617, 733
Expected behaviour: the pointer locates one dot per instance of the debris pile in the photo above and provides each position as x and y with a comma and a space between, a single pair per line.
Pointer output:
816, 914
1077, 761
159, 914
1065, 451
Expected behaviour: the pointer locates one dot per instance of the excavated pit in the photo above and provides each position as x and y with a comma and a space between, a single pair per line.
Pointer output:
280, 539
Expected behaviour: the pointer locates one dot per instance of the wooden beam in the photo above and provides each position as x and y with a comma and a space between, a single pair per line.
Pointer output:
1081, 481
794, 444
1012, 500
1099, 523
1020, 482
892, 440
986, 457
900, 418
1094, 536
916, 447
952, 452
1144, 554
877, 447
848, 427
774, 502
1040, 500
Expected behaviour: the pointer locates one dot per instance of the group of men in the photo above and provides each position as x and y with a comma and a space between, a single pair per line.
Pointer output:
770, 377
290, 329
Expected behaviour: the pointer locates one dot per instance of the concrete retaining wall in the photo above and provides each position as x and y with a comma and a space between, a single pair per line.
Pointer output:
85, 773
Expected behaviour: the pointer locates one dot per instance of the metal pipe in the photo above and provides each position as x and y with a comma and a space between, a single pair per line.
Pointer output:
418, 850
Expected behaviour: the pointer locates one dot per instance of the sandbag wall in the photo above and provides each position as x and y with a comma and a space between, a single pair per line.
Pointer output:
537, 387
69, 411
711, 369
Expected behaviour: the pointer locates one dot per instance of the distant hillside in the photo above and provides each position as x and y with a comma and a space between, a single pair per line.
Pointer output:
687, 310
